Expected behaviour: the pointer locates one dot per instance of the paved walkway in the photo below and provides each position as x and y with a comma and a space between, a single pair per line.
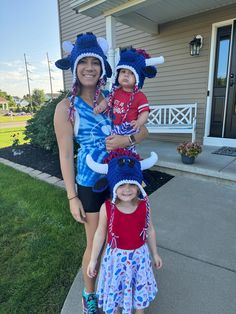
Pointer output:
4, 125
195, 219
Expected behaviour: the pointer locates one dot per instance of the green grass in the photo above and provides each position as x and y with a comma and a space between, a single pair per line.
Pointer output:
6, 138
14, 118
41, 245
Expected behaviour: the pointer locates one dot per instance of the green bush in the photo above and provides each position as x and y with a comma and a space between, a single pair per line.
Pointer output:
40, 129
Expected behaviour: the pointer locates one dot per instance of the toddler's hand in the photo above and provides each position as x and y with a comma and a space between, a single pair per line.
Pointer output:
102, 106
98, 109
157, 261
91, 271
135, 124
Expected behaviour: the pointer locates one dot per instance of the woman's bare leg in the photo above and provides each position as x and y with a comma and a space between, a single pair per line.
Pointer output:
90, 228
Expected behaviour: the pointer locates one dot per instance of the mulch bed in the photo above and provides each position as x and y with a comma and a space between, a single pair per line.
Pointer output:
34, 157
44, 161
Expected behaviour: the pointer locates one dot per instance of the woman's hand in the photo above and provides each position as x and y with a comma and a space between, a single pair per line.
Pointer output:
77, 210
116, 141
122, 141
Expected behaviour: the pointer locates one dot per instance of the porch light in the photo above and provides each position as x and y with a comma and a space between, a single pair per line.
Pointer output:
195, 45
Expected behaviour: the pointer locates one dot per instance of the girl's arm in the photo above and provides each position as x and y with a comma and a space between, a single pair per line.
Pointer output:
152, 243
98, 241
142, 119
64, 134
116, 141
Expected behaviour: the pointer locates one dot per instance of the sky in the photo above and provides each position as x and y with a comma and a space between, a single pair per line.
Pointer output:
29, 27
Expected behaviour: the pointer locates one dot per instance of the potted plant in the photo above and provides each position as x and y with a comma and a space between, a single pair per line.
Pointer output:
189, 151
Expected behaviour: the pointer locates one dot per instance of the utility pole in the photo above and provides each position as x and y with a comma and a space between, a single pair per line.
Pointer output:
27, 76
50, 76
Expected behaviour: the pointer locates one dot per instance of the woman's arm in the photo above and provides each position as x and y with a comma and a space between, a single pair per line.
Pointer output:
116, 141
152, 243
64, 134
98, 241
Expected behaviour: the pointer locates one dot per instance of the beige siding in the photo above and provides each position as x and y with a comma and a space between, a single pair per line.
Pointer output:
182, 79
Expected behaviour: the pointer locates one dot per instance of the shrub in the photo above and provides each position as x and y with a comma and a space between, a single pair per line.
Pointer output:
40, 129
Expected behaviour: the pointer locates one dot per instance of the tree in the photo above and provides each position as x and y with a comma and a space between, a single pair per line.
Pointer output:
38, 97
40, 129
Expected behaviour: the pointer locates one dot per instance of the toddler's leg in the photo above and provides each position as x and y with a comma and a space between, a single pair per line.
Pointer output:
139, 312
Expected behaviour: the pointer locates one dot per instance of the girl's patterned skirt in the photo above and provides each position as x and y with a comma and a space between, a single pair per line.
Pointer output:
126, 280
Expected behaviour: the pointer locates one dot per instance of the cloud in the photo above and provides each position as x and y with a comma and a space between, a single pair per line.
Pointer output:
12, 64
13, 78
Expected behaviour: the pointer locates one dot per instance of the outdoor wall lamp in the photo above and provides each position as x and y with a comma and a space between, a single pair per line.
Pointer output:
195, 45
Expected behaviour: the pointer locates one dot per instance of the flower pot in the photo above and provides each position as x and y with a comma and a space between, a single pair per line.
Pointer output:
187, 160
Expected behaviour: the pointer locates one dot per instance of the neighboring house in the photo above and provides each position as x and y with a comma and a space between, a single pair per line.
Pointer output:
17, 100
166, 27
3, 103
23, 103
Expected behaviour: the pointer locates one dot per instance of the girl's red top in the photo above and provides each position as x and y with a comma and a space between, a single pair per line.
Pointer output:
127, 227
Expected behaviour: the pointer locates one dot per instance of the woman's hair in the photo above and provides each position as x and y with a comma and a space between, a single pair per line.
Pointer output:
76, 89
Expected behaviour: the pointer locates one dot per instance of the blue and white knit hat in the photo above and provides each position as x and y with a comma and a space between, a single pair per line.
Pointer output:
123, 167
86, 45
140, 63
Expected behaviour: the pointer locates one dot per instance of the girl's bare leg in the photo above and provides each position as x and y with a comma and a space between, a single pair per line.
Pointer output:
90, 228
139, 312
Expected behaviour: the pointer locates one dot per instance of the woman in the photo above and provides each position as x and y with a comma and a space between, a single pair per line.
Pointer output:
90, 69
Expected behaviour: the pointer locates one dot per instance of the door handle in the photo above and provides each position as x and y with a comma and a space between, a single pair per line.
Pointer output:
232, 80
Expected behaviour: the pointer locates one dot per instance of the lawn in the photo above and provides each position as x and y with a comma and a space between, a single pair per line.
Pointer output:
41, 245
14, 118
6, 136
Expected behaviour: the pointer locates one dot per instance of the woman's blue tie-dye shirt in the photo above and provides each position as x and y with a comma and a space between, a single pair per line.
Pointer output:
93, 129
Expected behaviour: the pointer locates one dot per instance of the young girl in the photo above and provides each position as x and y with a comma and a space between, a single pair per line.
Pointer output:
127, 104
126, 278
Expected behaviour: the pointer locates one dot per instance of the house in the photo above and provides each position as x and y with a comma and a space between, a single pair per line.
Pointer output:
206, 75
23, 103
17, 100
3, 103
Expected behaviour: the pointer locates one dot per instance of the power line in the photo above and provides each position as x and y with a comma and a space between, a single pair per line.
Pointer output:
28, 78
50, 76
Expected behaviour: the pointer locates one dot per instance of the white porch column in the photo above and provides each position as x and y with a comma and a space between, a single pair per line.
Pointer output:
111, 39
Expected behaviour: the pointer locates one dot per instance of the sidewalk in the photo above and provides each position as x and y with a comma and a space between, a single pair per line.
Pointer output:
196, 237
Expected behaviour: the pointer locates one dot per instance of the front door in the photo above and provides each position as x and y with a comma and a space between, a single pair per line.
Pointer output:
223, 113
230, 117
